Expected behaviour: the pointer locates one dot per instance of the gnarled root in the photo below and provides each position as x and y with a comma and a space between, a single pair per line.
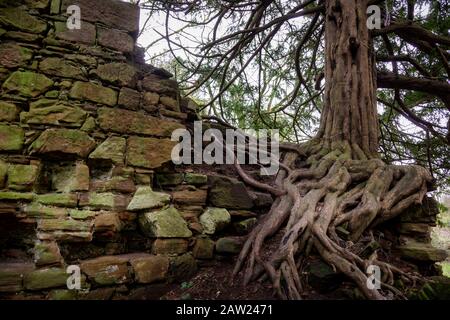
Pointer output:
320, 189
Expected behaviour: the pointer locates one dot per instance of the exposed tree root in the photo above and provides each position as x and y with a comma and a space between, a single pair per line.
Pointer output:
322, 189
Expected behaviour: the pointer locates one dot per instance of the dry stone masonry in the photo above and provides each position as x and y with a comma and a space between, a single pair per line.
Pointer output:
86, 177
85, 160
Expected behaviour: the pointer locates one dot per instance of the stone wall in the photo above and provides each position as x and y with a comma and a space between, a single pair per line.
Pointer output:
86, 176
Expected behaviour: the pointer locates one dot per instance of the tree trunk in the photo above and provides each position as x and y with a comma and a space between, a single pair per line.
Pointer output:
349, 112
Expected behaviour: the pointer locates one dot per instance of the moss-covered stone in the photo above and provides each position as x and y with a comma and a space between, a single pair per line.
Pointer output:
3, 172
170, 246
167, 223
22, 177
12, 274
229, 245
68, 200
149, 269
195, 178
104, 200
81, 214
182, 267
45, 279
17, 196
169, 179
62, 68
71, 178
121, 74
11, 138
93, 92
420, 251
47, 253
59, 114
229, 193
203, 248
214, 220
62, 294
130, 99
244, 226
63, 141
36, 210
8, 111
13, 55
27, 84
65, 225
112, 150
131, 122
18, 18
87, 36
89, 125
149, 152
107, 270
145, 198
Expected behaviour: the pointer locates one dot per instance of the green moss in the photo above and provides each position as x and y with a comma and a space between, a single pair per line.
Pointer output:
58, 199
18, 18
81, 214
38, 210
11, 138
16, 196
45, 278
8, 111
94, 92
195, 178
27, 84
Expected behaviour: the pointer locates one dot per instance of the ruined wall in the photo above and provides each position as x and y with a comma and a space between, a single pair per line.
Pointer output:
85, 171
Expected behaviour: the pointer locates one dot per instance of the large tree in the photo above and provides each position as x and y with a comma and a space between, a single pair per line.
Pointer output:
337, 179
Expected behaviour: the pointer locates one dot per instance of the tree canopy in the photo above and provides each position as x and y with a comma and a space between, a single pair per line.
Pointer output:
260, 64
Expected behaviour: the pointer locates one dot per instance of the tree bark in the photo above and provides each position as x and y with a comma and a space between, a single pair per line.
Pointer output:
349, 112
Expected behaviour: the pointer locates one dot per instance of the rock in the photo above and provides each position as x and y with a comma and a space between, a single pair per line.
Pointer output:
419, 229
229, 193
8, 111
130, 122
62, 68
203, 248
13, 55
229, 245
66, 236
121, 74
69, 200
130, 99
17, 18
107, 270
261, 200
170, 246
89, 125
100, 294
12, 274
169, 102
22, 177
3, 173
214, 220
58, 114
47, 253
105, 200
242, 214
27, 84
245, 226
107, 222
36, 210
195, 178
115, 39
182, 267
16, 196
81, 214
112, 150
160, 85
37, 4
149, 153
166, 223
420, 251
437, 288
146, 198
71, 178
88, 36
170, 179
119, 184
65, 225
106, 12
191, 197
151, 99
424, 212
11, 138
150, 269
45, 279
322, 277
62, 294
93, 92
63, 142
